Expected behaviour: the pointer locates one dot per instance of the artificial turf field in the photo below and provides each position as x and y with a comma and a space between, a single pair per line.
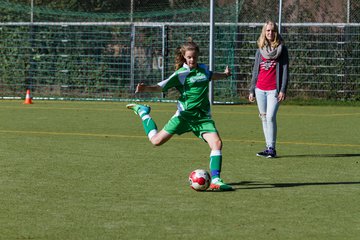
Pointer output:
85, 170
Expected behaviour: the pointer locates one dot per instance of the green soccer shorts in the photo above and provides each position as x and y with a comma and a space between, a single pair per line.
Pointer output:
180, 124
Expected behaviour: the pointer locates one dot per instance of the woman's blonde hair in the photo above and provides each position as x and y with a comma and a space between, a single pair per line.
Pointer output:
190, 45
262, 41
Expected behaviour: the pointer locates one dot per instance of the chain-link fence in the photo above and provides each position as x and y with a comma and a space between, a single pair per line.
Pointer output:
86, 50
245, 11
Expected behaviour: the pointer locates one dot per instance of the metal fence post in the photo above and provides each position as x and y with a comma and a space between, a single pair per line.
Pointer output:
132, 63
211, 50
280, 15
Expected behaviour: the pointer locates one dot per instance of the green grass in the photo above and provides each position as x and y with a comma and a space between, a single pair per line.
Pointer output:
85, 170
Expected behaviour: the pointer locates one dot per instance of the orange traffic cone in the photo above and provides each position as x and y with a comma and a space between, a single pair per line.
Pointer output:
28, 99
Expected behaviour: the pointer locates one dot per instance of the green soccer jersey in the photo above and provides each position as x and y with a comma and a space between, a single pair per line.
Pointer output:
193, 85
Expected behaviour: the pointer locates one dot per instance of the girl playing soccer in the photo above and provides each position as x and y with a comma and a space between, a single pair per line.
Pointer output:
191, 79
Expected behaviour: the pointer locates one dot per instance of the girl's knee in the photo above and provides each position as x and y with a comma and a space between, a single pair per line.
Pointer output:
213, 140
155, 141
160, 138
262, 116
216, 145
267, 118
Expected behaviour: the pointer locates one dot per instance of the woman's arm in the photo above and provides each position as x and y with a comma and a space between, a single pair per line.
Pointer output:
255, 72
285, 68
285, 74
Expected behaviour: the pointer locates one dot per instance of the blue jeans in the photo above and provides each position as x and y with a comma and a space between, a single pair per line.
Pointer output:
268, 106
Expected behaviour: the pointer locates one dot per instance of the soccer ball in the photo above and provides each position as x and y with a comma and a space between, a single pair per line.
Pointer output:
199, 180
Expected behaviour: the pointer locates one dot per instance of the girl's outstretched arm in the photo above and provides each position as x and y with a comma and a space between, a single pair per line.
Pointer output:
141, 87
225, 74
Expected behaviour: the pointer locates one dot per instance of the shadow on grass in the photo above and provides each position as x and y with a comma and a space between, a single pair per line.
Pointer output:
322, 155
259, 185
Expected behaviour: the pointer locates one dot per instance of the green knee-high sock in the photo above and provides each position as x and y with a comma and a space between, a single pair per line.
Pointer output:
149, 125
215, 163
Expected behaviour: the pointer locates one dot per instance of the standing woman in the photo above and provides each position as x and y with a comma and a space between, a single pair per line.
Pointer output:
269, 82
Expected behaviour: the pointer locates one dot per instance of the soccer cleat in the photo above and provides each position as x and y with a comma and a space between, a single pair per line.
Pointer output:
217, 184
139, 109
